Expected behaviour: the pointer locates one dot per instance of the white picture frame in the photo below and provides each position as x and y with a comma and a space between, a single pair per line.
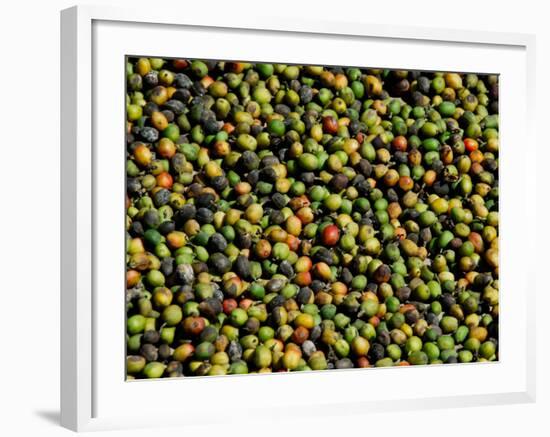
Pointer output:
93, 39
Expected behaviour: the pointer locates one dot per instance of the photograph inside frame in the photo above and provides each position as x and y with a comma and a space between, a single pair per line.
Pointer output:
284, 217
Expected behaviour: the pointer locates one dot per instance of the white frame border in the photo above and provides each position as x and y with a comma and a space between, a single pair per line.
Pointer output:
76, 194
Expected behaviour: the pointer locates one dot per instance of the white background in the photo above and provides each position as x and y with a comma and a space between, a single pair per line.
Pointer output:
29, 217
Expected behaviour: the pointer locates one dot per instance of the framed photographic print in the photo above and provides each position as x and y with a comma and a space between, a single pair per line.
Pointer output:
283, 207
